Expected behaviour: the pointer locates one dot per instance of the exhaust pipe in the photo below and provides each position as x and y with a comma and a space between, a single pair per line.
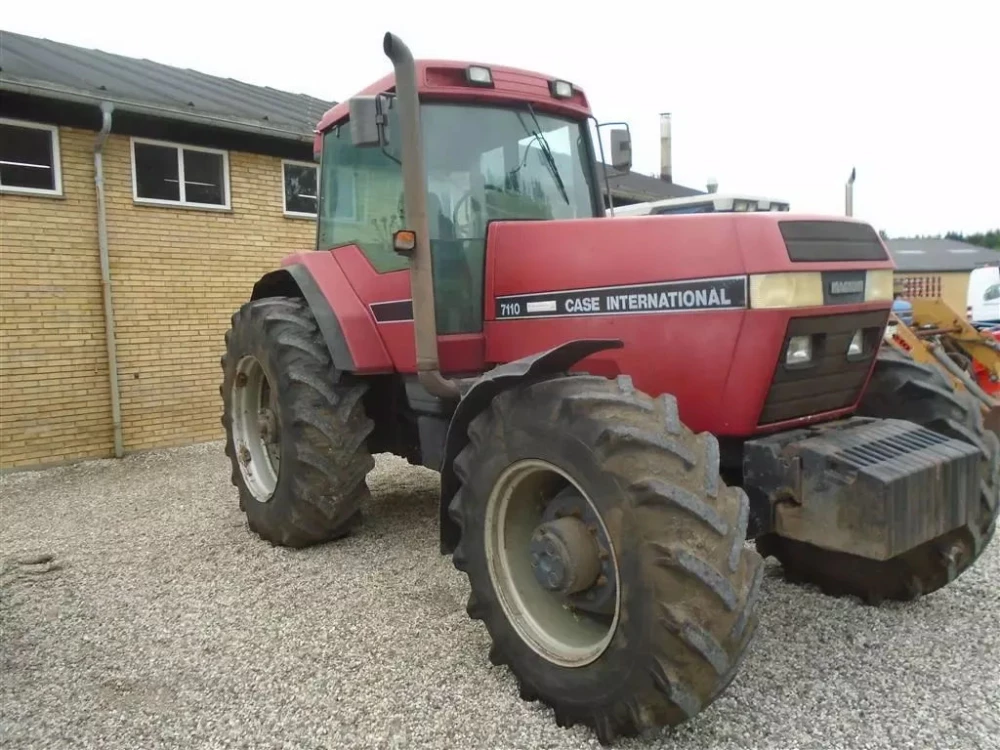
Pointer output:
849, 194
415, 206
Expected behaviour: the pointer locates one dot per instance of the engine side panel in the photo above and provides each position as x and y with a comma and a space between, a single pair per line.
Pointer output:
673, 289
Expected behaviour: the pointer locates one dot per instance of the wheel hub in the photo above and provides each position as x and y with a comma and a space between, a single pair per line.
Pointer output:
564, 556
592, 593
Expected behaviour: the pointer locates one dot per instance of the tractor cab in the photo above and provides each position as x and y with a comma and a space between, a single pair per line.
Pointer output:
497, 144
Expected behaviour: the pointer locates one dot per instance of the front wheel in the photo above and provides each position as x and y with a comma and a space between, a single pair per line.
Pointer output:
604, 555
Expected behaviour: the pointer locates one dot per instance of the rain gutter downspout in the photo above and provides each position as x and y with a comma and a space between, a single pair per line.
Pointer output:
102, 242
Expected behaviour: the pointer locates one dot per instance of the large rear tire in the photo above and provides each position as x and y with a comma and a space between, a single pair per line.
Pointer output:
902, 388
603, 467
296, 428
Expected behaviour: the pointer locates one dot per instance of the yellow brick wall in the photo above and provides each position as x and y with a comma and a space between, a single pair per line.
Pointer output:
54, 402
177, 275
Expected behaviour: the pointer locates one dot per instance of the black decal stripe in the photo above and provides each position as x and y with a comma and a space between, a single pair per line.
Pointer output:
396, 311
722, 293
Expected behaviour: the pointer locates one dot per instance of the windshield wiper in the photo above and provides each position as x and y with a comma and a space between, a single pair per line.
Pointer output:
546, 151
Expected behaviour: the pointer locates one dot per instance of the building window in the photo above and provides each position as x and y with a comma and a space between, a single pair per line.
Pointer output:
29, 158
166, 173
300, 193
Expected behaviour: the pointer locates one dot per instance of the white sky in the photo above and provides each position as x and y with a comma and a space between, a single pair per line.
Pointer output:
769, 97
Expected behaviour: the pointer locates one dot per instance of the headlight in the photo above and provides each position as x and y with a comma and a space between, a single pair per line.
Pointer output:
799, 351
878, 285
773, 290
805, 288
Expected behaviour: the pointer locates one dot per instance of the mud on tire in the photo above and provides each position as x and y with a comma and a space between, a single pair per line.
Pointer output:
902, 388
688, 584
319, 418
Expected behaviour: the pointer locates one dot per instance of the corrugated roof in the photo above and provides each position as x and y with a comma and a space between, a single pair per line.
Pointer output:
645, 188
930, 255
42, 66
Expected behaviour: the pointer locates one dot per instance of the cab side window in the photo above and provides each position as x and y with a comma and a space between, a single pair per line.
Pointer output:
360, 198
992, 292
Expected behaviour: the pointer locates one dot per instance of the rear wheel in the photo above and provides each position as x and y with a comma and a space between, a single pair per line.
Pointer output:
604, 555
902, 388
296, 429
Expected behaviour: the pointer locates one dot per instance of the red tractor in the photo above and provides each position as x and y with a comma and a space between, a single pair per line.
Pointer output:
615, 407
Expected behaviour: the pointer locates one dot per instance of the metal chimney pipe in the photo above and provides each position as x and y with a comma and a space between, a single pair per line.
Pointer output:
713, 185
849, 194
666, 166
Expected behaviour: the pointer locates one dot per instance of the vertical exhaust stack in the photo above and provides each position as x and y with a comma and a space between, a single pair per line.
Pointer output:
713, 185
849, 194
415, 206
666, 165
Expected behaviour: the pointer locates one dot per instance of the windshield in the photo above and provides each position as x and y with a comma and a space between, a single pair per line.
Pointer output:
486, 163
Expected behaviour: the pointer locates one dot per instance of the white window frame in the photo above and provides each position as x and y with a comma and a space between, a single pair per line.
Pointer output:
56, 159
182, 203
284, 197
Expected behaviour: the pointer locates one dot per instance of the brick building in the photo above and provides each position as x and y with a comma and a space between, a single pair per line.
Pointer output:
110, 338
207, 183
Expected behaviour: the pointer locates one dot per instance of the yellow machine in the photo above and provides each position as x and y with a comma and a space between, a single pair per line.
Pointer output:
970, 358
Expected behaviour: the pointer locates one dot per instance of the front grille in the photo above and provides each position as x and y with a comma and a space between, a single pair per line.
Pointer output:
831, 381
829, 241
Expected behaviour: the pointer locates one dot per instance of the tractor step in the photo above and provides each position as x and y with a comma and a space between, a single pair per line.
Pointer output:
872, 488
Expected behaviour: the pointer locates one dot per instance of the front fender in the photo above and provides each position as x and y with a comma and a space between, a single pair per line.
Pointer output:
296, 280
476, 398
351, 335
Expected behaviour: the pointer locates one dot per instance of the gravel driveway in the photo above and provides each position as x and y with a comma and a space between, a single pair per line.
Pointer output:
160, 621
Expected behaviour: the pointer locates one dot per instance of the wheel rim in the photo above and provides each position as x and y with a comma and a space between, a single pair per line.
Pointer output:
256, 432
552, 623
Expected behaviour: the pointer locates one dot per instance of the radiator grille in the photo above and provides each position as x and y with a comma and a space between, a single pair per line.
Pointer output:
832, 380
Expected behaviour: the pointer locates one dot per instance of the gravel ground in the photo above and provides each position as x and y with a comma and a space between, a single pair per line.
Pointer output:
161, 622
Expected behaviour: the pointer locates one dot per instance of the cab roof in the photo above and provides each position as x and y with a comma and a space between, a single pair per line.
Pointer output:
446, 80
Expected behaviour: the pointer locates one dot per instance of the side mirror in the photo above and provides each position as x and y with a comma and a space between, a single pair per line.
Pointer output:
365, 121
621, 150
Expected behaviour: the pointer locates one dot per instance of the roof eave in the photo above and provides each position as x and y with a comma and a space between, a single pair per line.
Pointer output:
54, 91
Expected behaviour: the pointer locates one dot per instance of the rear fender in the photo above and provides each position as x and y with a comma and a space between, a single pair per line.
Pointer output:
477, 398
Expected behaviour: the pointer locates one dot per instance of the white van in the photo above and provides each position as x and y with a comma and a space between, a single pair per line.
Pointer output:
983, 299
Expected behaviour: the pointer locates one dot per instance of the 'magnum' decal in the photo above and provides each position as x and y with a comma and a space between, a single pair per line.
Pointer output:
723, 293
